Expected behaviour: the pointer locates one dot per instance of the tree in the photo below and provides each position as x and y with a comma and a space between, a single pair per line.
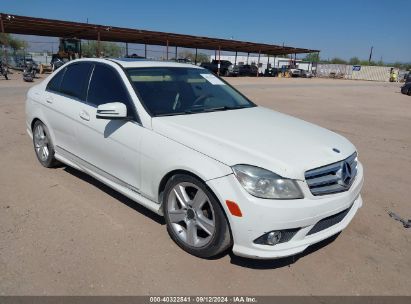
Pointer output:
12, 42
337, 60
354, 61
107, 49
190, 55
312, 57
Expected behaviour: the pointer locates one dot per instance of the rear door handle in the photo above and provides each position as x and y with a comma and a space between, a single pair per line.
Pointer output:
84, 115
49, 99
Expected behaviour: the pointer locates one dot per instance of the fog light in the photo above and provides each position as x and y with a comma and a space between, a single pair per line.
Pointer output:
276, 237
273, 238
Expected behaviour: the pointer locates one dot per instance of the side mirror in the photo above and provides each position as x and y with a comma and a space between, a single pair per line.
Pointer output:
112, 110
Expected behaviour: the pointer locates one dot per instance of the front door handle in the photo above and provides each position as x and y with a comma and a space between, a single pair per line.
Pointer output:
84, 115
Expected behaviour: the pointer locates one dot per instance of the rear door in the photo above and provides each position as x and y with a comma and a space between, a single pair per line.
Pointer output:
65, 94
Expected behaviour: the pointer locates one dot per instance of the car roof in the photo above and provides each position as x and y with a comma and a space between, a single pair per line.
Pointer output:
134, 63
139, 62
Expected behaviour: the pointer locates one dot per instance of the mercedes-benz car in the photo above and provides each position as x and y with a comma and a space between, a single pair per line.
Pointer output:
225, 173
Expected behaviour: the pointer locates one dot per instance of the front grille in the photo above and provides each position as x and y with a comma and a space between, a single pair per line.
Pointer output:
333, 178
288, 234
329, 221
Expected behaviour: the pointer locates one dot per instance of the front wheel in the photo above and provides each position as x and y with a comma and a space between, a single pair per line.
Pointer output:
194, 217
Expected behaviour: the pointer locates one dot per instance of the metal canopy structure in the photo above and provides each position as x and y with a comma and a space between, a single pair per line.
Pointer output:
15, 24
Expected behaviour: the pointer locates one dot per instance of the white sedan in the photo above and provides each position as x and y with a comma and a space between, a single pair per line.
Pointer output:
225, 173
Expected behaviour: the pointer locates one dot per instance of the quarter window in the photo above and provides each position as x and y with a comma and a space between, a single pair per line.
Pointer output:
76, 79
54, 83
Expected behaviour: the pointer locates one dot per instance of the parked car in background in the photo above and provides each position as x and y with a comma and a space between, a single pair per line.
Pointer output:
406, 88
213, 66
184, 60
224, 172
271, 72
295, 72
305, 74
242, 70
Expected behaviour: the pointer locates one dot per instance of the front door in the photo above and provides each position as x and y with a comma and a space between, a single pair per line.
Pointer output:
110, 147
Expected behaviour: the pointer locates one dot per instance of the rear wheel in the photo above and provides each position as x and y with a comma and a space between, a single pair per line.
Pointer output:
43, 146
194, 217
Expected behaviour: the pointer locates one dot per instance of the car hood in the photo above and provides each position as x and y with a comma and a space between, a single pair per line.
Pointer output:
257, 136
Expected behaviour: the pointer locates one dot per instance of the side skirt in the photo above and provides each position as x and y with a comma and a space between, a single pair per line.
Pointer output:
113, 182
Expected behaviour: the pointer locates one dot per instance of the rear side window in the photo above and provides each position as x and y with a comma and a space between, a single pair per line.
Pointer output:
54, 83
106, 86
75, 80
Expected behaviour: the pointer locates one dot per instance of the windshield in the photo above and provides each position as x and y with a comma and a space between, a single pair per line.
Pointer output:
175, 91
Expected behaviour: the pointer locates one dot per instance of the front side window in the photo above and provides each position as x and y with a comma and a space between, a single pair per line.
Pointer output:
106, 86
175, 91
75, 80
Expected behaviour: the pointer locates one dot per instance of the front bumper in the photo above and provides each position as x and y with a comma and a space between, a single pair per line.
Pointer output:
263, 215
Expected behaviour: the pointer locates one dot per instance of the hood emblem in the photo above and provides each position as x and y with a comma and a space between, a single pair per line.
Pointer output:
336, 150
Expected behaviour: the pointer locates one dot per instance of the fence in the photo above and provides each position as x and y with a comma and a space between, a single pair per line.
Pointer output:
346, 71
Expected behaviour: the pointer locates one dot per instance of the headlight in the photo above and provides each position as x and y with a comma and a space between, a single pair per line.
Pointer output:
266, 184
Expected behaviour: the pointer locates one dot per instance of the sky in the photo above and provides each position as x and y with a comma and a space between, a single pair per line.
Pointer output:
341, 29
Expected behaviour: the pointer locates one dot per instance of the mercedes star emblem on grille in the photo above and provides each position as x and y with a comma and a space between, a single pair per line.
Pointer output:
345, 174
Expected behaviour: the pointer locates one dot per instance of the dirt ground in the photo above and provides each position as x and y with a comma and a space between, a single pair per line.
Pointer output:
63, 233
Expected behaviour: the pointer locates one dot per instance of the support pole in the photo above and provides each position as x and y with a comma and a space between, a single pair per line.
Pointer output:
219, 60
176, 54
248, 56
126, 49
145, 50
369, 58
167, 51
235, 59
258, 63
5, 45
215, 54
316, 64
195, 58
98, 45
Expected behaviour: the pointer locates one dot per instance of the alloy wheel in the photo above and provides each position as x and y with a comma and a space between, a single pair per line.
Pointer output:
41, 143
191, 214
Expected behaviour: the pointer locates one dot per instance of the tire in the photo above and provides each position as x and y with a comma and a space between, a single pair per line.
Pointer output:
43, 146
409, 92
195, 219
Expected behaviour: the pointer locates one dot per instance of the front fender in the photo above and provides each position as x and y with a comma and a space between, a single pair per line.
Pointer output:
161, 155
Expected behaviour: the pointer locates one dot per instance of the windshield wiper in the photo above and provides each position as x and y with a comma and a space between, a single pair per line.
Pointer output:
171, 114
202, 110
215, 109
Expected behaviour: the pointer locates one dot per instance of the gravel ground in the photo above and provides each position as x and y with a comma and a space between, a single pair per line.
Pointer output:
64, 233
